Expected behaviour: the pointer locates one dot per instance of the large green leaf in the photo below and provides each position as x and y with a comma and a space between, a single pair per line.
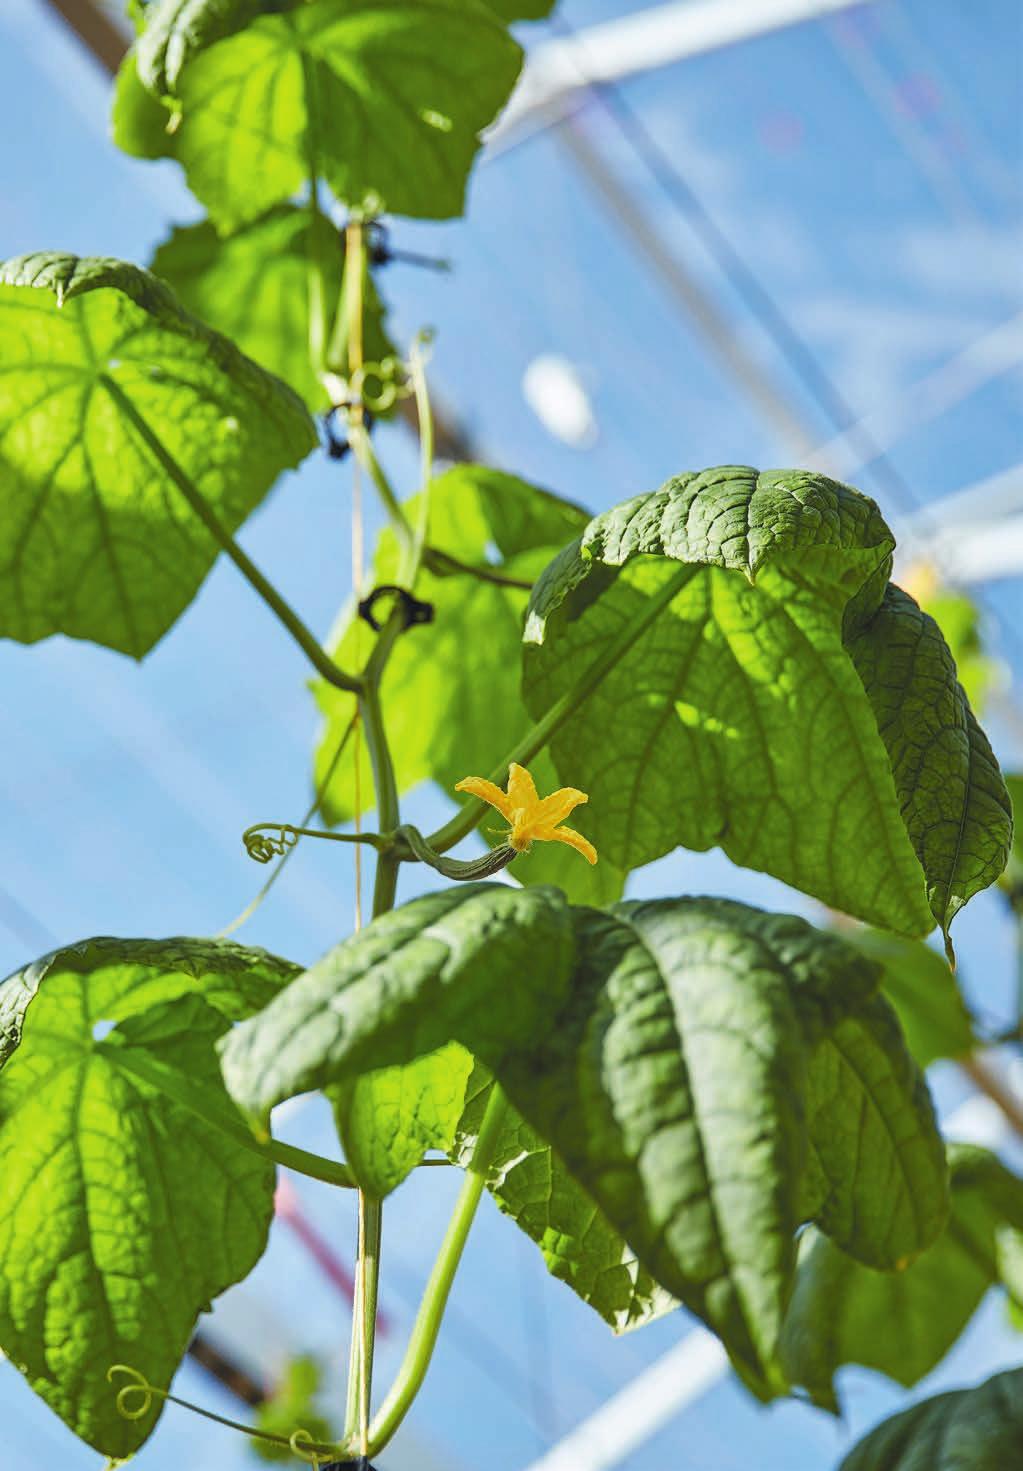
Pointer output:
904, 1322
451, 689
176, 30
921, 986
122, 1213
389, 1118
253, 287
959, 619
953, 800
769, 705
977, 1429
140, 123
579, 1246
510, 10
711, 1076
387, 96
97, 539
1014, 785
484, 958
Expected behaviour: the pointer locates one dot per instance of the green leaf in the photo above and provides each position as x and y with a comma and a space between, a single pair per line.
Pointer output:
122, 1214
97, 541
902, 1323
1014, 785
739, 714
253, 287
387, 96
977, 1429
711, 1075
530, 1184
960, 622
953, 800
176, 30
483, 957
510, 10
140, 123
923, 990
388, 1119
452, 696
695, 1076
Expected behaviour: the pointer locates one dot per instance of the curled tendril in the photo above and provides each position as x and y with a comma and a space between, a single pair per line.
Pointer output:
300, 1442
262, 845
137, 1384
303, 1447
378, 386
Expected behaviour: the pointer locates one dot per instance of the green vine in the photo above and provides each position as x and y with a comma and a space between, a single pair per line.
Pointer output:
722, 662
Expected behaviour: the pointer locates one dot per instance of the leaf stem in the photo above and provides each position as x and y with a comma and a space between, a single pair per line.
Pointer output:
442, 564
320, 660
316, 265
466, 818
149, 1070
362, 447
413, 559
431, 1310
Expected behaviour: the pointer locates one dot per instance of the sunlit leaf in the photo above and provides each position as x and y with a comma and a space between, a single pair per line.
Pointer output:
253, 287
122, 1213
579, 1246
451, 688
773, 705
390, 1118
387, 96
97, 540
176, 30
711, 1075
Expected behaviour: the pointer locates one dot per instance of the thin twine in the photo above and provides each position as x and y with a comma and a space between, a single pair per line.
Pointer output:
355, 259
354, 250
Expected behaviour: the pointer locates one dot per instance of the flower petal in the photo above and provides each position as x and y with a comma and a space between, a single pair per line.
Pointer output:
478, 786
555, 808
522, 793
571, 837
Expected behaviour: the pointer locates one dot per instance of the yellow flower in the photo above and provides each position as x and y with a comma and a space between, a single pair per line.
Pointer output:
533, 819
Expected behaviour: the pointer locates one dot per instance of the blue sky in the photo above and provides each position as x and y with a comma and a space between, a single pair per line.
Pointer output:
869, 172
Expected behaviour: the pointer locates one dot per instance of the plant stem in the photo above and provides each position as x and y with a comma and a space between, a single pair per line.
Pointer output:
316, 266
320, 660
413, 558
347, 330
442, 564
146, 1067
367, 1275
431, 1310
537, 737
362, 448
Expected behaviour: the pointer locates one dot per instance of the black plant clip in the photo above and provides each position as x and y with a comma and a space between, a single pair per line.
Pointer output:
413, 610
360, 1465
334, 441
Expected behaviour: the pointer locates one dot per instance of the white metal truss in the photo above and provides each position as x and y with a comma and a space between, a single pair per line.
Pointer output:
558, 71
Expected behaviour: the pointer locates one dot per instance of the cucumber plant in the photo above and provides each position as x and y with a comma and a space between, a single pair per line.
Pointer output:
662, 1094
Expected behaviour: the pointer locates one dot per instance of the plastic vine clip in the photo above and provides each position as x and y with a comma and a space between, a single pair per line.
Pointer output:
413, 610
